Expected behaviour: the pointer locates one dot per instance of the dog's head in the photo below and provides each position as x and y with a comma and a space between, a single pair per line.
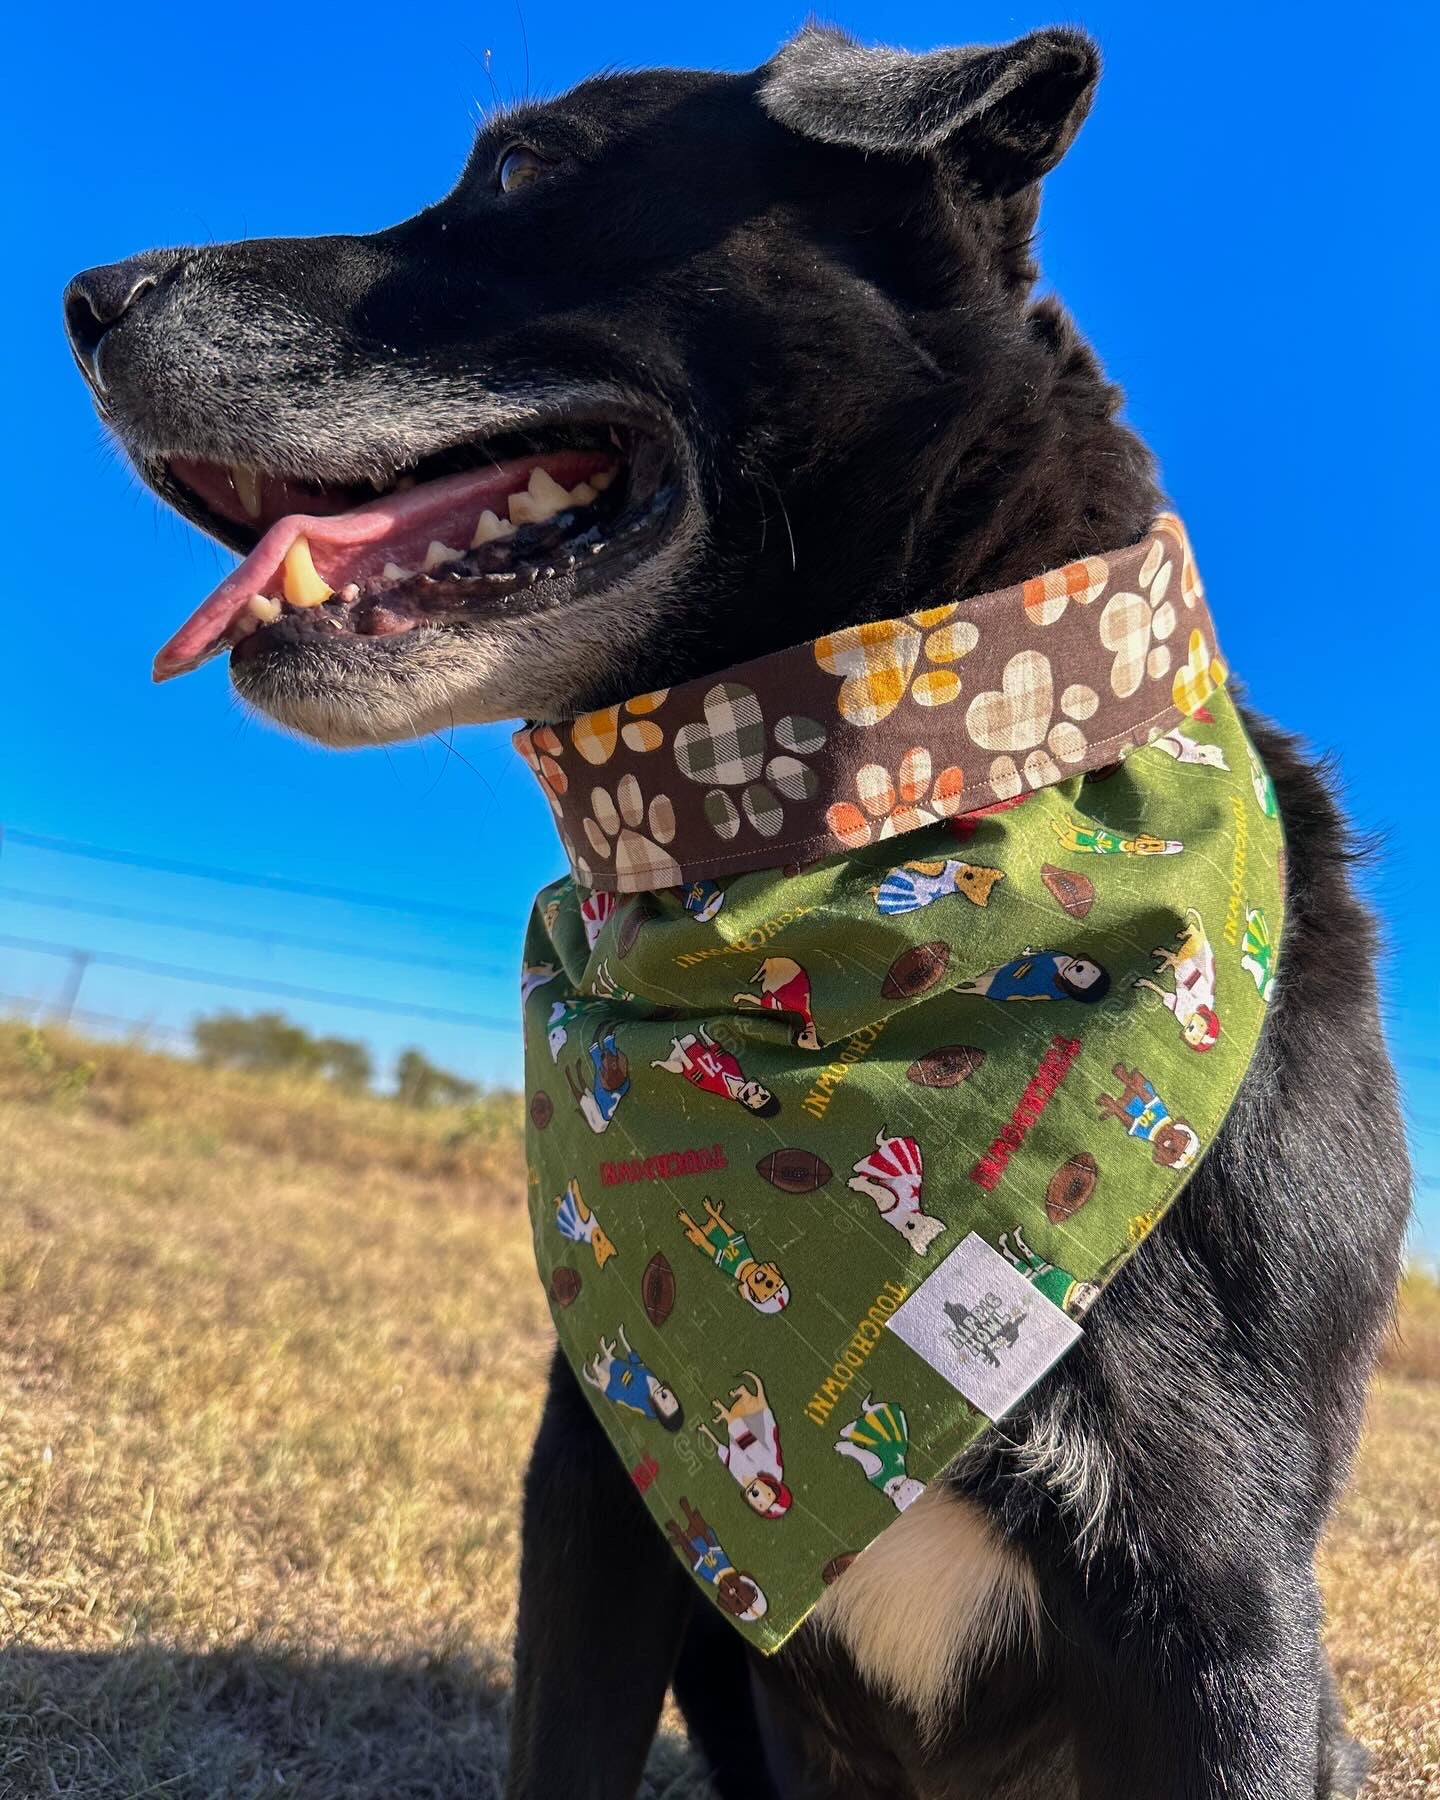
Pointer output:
687, 367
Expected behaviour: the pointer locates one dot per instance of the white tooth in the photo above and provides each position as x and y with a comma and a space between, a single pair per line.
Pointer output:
241, 626
583, 494
489, 527
246, 483
542, 500
263, 609
439, 554
393, 572
601, 479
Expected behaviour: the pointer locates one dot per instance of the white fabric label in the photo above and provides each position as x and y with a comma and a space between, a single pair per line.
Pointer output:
980, 1321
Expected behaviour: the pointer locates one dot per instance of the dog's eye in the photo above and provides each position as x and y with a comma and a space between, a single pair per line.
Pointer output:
518, 166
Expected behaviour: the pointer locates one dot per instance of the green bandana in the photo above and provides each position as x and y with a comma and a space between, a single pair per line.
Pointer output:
835, 1138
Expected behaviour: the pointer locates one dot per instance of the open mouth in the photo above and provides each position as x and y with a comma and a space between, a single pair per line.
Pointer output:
520, 521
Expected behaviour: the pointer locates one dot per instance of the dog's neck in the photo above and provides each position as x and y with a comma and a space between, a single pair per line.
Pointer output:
1054, 477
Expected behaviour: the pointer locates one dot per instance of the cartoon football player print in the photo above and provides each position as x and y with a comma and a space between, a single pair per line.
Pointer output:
751, 1452
1057, 1285
1041, 975
609, 1081
893, 1176
1192, 963
709, 1067
761, 1283
739, 1594
918, 884
703, 899
1258, 953
534, 976
784, 988
1098, 840
623, 1378
1174, 1144
879, 1440
574, 1220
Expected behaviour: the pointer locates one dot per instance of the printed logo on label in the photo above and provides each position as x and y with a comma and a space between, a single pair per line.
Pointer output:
982, 1324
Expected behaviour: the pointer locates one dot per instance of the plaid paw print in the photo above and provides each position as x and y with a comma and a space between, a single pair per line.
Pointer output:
1197, 678
539, 747
728, 748
876, 662
595, 734
896, 806
613, 825
1130, 622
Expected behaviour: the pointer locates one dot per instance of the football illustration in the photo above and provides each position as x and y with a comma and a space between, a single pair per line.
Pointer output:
633, 921
837, 1566
657, 1289
793, 1171
915, 971
542, 1109
946, 1067
564, 1285
1074, 893
1070, 1187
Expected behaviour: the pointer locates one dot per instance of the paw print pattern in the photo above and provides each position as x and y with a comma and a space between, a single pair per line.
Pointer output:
1046, 597
595, 734
539, 749
1016, 717
1136, 626
727, 748
875, 662
613, 826
891, 807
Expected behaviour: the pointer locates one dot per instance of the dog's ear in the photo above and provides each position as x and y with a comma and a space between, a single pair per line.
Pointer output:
1003, 116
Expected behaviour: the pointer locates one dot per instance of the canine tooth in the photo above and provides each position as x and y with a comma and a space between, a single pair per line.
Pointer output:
601, 480
583, 493
542, 499
393, 572
241, 627
439, 554
350, 592
246, 483
304, 584
490, 527
263, 609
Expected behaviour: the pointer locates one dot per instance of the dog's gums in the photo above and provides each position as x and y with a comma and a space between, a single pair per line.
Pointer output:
434, 553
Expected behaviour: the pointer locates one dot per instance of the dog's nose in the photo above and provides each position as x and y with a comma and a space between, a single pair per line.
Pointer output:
97, 299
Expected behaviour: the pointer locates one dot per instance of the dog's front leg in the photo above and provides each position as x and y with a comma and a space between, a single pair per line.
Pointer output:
603, 1604
1226, 1701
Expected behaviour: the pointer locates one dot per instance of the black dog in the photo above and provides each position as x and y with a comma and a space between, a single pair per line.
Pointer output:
785, 319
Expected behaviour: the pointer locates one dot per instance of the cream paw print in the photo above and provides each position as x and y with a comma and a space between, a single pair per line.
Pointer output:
894, 806
613, 828
1136, 626
876, 662
1016, 720
729, 748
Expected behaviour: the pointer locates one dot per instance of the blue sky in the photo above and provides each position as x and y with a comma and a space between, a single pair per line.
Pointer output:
1236, 229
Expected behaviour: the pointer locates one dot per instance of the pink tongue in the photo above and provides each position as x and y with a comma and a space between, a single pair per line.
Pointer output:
355, 546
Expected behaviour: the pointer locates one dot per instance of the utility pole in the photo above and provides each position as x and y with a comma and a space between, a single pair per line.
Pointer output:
79, 962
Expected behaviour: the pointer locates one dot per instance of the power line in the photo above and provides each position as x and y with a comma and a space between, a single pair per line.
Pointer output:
253, 934
35, 840
280, 989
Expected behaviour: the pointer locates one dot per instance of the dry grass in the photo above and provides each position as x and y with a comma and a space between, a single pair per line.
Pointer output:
269, 1364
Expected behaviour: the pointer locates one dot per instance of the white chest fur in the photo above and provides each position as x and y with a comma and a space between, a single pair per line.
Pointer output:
935, 1596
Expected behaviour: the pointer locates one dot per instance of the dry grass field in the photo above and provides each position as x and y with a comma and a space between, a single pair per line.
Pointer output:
269, 1364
